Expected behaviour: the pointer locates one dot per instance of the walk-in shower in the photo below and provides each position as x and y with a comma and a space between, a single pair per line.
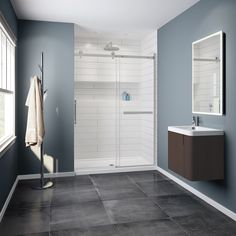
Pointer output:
114, 110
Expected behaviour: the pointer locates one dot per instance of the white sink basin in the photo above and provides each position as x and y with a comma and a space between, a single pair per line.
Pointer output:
197, 131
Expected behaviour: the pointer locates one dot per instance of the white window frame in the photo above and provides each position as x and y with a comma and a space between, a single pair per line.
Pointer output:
7, 141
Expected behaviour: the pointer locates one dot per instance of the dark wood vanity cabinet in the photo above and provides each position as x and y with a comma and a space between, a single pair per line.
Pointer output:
196, 157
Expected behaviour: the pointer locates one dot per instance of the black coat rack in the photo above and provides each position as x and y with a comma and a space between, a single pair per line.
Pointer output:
43, 184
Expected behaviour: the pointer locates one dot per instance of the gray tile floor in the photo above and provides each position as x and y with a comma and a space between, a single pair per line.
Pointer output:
132, 204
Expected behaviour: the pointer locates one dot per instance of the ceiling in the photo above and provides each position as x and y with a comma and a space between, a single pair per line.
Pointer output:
109, 16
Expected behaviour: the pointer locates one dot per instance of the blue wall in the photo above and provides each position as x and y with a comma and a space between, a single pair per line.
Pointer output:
56, 40
9, 14
8, 162
174, 86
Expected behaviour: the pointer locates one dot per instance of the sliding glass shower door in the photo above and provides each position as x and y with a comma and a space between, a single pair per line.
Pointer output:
136, 111
114, 105
96, 112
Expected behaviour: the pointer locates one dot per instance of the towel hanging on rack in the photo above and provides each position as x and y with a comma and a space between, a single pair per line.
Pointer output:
35, 122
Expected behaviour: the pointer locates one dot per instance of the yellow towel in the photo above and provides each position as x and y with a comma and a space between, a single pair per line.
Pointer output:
35, 122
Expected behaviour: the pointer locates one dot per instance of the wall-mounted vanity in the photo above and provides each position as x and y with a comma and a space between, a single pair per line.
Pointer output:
197, 153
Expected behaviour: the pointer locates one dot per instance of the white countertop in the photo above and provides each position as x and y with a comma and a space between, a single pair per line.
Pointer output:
197, 131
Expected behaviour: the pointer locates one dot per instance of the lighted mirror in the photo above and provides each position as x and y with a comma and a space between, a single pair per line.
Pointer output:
207, 75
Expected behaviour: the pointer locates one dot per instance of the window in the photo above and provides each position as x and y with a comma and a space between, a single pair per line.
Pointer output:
7, 87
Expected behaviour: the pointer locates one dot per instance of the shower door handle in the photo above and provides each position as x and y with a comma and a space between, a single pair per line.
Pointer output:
75, 117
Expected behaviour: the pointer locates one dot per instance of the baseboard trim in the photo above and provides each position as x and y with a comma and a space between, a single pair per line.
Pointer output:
4, 208
47, 175
202, 196
113, 170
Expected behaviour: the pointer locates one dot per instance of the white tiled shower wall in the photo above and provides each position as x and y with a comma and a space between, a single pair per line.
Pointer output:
99, 133
149, 47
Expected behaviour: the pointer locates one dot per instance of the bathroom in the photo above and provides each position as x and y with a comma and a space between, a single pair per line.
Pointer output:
137, 102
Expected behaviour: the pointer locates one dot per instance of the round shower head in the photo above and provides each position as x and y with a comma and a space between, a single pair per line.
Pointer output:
111, 48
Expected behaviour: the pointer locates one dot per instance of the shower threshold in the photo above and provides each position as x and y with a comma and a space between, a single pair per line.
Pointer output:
101, 165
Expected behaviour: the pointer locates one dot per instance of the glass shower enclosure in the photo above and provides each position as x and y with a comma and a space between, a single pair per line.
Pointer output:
114, 111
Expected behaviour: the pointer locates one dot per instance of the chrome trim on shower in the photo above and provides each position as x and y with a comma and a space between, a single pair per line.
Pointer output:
112, 55
75, 117
137, 112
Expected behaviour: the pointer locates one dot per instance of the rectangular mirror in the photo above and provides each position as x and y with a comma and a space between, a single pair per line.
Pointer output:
207, 75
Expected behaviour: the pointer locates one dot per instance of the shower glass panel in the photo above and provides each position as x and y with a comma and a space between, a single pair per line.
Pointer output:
96, 115
136, 112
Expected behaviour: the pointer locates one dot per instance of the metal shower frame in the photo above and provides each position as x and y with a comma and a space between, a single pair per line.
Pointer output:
113, 55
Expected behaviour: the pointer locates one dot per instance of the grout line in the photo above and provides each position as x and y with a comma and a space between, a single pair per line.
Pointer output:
96, 188
131, 180
180, 226
155, 203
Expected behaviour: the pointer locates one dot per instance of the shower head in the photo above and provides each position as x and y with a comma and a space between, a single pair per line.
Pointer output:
111, 48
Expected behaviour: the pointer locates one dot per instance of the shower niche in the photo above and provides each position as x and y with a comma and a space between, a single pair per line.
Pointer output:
115, 110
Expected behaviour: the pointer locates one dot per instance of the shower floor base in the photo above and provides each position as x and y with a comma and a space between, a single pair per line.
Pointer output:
110, 162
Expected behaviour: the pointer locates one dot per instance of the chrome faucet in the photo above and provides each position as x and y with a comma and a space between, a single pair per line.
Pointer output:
195, 122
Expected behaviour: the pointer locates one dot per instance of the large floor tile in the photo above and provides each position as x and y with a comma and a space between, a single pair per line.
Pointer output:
204, 223
78, 179
25, 221
110, 192
178, 205
150, 228
107, 230
160, 188
111, 179
75, 183
26, 197
81, 215
85, 194
145, 176
131, 210
225, 229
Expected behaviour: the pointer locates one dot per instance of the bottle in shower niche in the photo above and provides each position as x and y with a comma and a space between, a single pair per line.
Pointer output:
128, 98
124, 96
